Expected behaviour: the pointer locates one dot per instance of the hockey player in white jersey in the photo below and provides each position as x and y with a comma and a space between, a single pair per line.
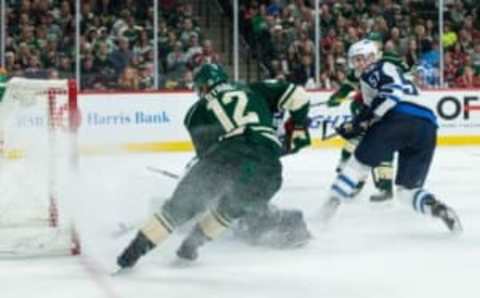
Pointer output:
394, 120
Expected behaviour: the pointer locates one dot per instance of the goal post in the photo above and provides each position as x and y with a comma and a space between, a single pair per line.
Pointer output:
39, 122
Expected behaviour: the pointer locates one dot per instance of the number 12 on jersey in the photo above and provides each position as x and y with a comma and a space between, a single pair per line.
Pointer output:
240, 116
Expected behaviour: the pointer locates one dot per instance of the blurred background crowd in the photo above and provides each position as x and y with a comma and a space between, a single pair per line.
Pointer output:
117, 49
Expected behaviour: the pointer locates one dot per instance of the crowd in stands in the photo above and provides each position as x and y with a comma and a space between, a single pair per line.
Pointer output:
117, 49
116, 42
282, 32
40, 39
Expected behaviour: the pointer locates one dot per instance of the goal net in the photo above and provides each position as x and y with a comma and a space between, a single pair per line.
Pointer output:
38, 126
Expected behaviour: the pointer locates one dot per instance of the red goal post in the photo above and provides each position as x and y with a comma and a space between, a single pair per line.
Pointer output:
39, 122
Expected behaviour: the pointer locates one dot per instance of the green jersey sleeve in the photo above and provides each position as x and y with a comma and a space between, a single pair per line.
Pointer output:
203, 130
284, 96
395, 59
351, 83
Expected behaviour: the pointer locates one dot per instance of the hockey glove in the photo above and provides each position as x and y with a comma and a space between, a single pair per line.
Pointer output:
356, 127
339, 96
297, 136
350, 129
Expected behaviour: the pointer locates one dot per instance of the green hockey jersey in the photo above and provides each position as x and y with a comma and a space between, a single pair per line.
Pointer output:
232, 109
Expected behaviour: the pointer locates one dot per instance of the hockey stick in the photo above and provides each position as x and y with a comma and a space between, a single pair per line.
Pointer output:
318, 104
326, 136
163, 172
124, 228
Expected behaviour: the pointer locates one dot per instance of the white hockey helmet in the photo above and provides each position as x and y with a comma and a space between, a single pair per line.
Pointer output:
363, 53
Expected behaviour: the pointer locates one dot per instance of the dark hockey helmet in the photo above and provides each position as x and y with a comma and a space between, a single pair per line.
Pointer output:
208, 76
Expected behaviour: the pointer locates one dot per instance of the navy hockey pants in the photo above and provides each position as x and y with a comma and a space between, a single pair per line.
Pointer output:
413, 138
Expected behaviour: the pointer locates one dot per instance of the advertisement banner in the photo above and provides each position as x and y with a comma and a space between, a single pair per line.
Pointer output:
149, 122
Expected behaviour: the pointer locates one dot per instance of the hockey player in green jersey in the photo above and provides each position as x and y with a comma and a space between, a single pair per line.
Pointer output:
239, 162
3, 82
383, 174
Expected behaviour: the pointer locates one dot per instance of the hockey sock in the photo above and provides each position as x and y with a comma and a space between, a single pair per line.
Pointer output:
382, 177
347, 182
346, 153
157, 229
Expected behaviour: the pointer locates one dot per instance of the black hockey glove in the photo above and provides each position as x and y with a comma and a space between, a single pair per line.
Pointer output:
357, 126
350, 129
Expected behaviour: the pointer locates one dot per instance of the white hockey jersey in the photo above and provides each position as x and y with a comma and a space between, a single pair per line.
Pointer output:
385, 89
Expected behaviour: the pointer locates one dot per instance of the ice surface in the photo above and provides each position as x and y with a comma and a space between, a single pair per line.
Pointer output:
369, 250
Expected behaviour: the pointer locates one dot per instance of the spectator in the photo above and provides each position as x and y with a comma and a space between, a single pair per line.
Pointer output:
188, 31
177, 61
468, 79
129, 79
303, 72
186, 83
449, 36
145, 77
208, 53
476, 58
412, 53
89, 74
450, 72
459, 56
194, 48
65, 67
121, 56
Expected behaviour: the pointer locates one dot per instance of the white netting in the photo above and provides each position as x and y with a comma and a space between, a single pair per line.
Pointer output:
36, 169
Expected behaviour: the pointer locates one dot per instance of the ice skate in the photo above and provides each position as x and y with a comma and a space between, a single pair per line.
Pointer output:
135, 250
447, 215
381, 197
188, 250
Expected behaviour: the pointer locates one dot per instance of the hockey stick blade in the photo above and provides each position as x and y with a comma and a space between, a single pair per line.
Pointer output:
122, 230
120, 271
330, 136
326, 136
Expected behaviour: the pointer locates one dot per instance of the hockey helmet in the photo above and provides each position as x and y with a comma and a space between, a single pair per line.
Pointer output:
363, 53
208, 76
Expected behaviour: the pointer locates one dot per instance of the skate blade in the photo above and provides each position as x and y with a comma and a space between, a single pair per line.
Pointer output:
120, 271
455, 226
